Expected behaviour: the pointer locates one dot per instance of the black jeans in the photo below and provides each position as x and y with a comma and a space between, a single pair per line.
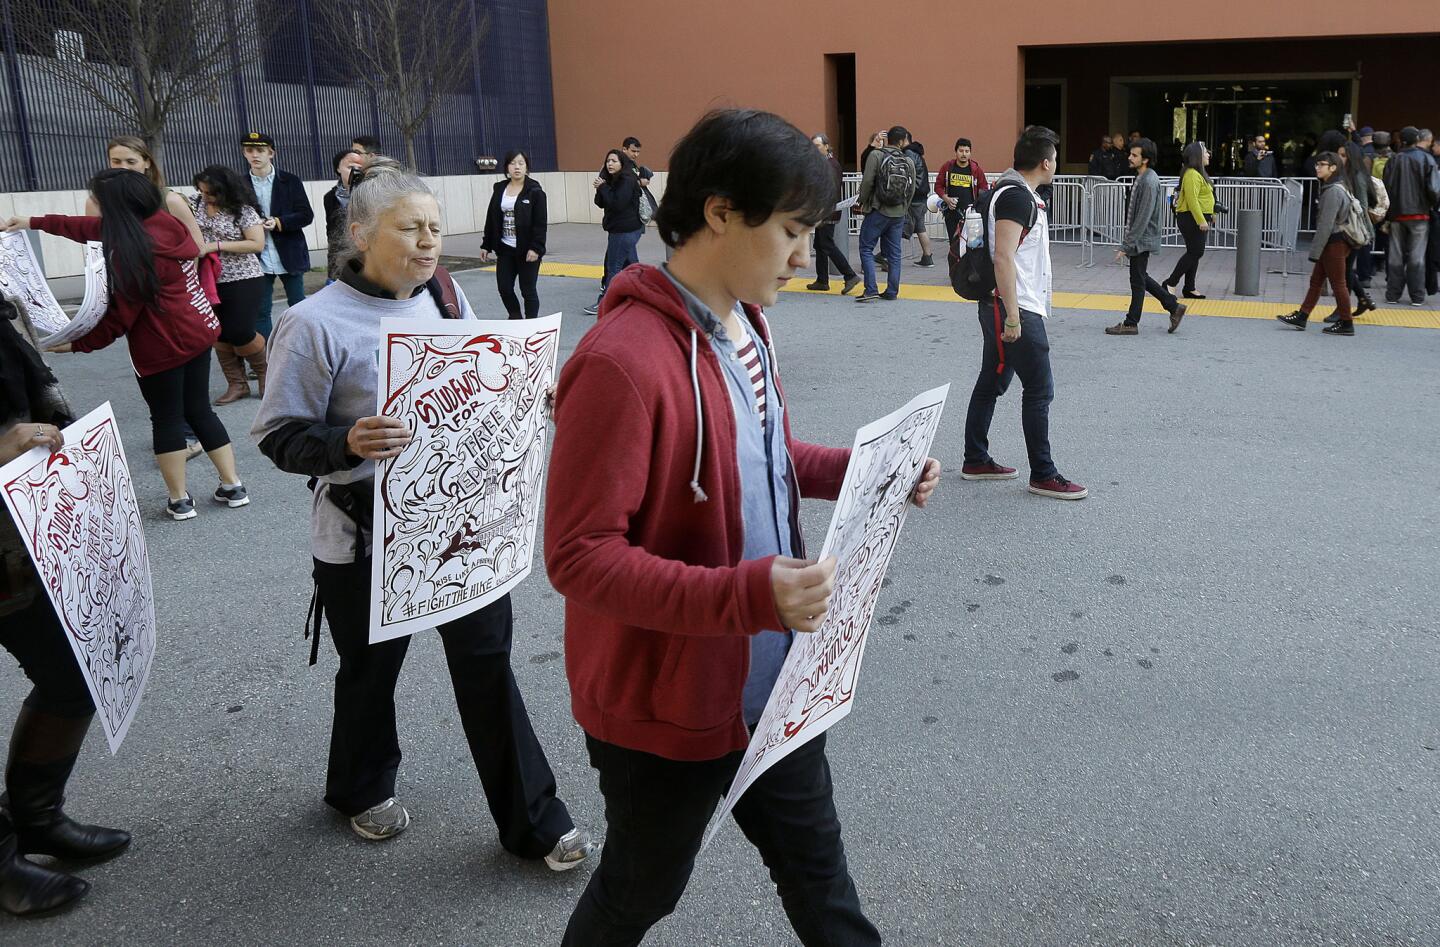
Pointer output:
1000, 361
827, 252
509, 264
1188, 263
656, 811
1141, 282
239, 308
179, 398
35, 637
365, 749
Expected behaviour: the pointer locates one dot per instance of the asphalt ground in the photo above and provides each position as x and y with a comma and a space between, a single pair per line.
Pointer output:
1195, 708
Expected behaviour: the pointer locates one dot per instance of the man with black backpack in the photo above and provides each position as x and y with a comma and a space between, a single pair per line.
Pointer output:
1009, 274
885, 191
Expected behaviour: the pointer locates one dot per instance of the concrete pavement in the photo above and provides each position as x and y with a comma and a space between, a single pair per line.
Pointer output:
1196, 708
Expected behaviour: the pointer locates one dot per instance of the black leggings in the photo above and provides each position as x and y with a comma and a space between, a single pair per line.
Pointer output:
510, 263
36, 638
239, 308
1194, 249
178, 397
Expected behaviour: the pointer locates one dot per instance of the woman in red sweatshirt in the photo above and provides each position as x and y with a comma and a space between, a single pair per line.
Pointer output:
156, 301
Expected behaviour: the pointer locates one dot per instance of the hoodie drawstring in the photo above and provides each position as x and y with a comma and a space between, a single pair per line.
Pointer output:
700, 496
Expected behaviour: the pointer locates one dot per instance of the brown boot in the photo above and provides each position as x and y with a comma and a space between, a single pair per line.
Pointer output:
254, 353
234, 371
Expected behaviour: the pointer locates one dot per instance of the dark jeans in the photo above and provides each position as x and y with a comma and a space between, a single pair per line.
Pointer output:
952, 221
294, 284
827, 252
1189, 262
36, 639
1331, 266
1141, 282
1000, 361
179, 400
1364, 265
656, 811
239, 308
1405, 261
874, 228
509, 264
365, 749
620, 252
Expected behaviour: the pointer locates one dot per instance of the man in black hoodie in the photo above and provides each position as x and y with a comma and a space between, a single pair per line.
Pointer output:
915, 221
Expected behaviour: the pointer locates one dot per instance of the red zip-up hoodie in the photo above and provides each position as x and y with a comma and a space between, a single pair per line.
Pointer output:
644, 529
167, 330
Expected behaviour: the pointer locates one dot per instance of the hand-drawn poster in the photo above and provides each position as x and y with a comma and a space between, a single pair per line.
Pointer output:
77, 513
456, 511
816, 686
22, 278
97, 299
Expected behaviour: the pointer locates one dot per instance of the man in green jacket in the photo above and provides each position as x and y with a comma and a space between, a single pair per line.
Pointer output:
1142, 238
885, 193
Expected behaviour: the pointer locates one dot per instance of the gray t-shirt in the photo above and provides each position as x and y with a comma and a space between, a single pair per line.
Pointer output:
325, 368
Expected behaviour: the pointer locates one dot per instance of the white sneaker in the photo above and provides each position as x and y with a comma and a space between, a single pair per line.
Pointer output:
381, 822
573, 848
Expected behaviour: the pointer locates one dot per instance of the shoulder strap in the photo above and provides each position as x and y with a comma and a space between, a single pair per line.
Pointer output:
442, 290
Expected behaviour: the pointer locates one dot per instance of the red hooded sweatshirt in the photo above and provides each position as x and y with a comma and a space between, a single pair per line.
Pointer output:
167, 330
644, 530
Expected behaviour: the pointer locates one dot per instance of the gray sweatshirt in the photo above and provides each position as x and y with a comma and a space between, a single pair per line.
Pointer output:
1147, 206
1333, 210
324, 369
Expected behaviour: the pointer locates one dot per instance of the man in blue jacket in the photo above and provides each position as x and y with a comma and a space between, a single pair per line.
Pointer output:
286, 211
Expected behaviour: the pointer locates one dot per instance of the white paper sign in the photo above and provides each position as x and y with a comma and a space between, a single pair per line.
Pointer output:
77, 513
456, 512
97, 299
817, 684
850, 201
22, 277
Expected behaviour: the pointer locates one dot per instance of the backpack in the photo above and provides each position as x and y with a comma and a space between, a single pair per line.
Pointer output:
972, 274
895, 179
1355, 228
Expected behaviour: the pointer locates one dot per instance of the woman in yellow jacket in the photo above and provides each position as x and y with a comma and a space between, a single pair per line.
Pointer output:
1194, 210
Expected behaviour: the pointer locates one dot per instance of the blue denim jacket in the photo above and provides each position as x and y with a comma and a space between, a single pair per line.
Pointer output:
764, 484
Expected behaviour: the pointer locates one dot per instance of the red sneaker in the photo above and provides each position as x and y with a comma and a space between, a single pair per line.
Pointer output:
989, 470
1059, 488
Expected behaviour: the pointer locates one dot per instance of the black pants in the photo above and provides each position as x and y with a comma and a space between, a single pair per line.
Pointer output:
827, 252
656, 811
365, 749
1000, 361
510, 263
1141, 282
35, 637
952, 220
179, 399
1188, 263
240, 302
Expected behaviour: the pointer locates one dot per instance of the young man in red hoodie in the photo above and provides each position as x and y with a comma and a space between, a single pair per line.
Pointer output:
672, 530
959, 182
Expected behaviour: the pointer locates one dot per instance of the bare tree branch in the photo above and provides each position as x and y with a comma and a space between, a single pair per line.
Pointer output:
408, 53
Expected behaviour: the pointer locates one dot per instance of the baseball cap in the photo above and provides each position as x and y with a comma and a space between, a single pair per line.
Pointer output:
257, 138
1367, 130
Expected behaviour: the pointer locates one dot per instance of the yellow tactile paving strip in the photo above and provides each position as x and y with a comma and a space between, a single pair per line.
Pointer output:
1098, 302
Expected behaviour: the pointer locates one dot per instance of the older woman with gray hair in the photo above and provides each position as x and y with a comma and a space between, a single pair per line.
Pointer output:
318, 420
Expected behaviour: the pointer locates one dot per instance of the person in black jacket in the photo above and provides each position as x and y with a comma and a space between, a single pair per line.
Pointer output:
617, 189
347, 164
826, 250
286, 212
515, 235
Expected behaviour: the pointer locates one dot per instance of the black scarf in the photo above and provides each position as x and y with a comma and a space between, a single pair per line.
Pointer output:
28, 390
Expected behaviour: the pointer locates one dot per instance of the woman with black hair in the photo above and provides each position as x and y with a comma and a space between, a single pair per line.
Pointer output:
45, 742
155, 302
617, 190
515, 235
229, 218
1194, 209
1358, 180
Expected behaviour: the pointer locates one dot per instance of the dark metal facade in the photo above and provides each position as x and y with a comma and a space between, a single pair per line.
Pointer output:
53, 138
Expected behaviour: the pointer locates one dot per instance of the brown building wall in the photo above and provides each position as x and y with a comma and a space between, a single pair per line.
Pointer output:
651, 73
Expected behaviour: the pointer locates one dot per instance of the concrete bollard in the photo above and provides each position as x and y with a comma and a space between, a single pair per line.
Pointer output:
1247, 252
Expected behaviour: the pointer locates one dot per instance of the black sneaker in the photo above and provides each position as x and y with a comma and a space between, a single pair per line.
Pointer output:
1343, 327
181, 509
232, 496
889, 297
926, 261
1296, 319
865, 297
850, 283
593, 309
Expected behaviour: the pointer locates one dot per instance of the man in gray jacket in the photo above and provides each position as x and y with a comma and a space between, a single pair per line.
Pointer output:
1142, 238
